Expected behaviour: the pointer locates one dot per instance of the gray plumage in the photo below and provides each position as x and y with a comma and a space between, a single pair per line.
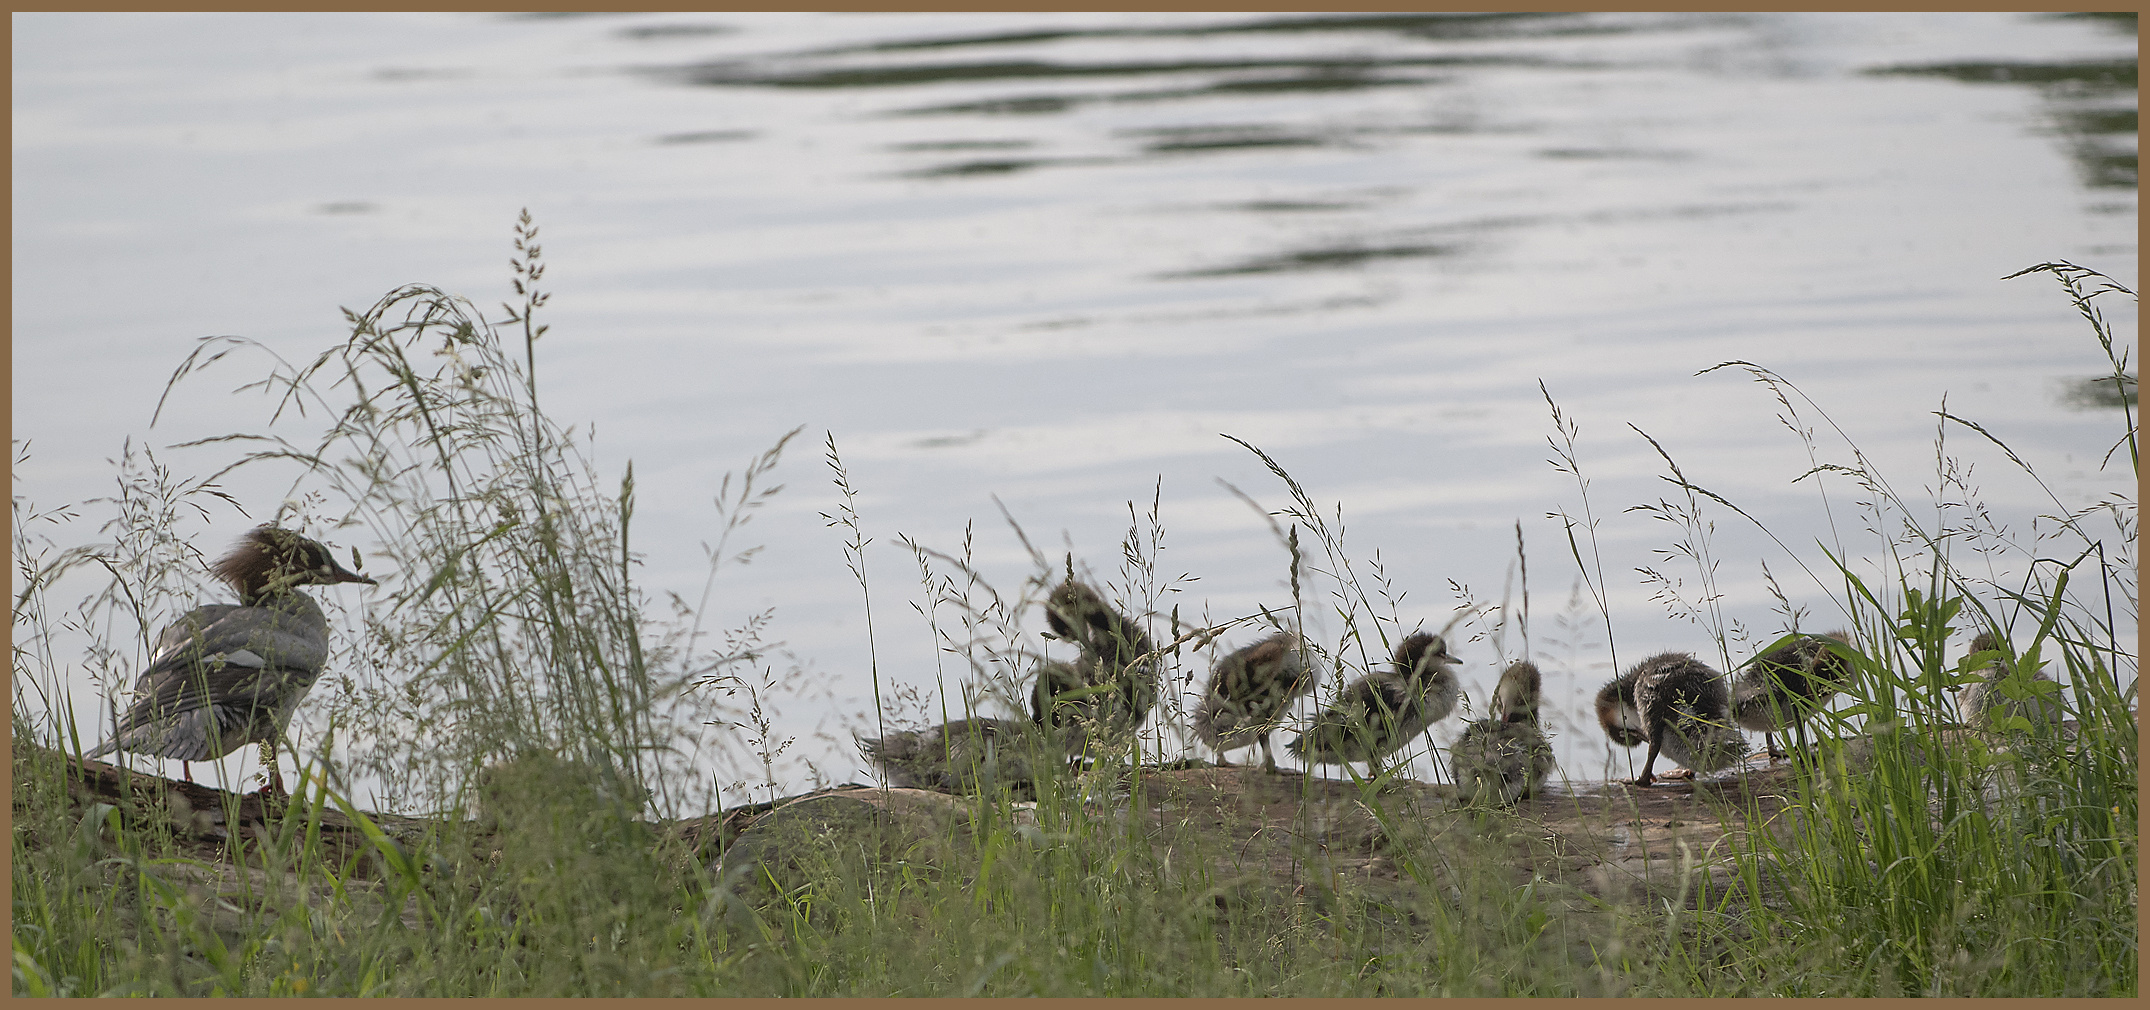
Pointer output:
1111, 688
1249, 691
964, 756
1377, 714
1684, 710
226, 675
1505, 756
1782, 688
1984, 703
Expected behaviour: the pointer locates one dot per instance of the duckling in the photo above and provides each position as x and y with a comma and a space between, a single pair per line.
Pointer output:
1617, 711
1376, 715
1781, 688
1505, 756
1984, 703
1249, 691
963, 756
974, 755
1683, 708
1113, 685
225, 675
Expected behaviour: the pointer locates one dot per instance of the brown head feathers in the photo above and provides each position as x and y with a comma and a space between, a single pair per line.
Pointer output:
271, 559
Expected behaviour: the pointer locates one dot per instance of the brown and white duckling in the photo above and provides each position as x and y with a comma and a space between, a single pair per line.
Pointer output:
1781, 688
1504, 756
1249, 691
1377, 714
1683, 709
1113, 685
1984, 703
963, 756
975, 755
224, 676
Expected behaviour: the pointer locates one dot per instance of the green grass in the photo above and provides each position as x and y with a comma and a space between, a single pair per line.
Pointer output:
1912, 857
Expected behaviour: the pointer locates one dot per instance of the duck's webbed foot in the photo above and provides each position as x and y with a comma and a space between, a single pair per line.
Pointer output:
1679, 773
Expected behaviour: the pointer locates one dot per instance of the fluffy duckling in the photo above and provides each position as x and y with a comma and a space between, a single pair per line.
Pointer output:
1781, 688
1984, 703
1113, 685
964, 756
225, 675
1617, 711
1505, 756
1376, 715
1249, 691
1682, 708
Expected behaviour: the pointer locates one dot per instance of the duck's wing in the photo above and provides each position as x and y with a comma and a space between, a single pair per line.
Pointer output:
197, 708
187, 631
242, 656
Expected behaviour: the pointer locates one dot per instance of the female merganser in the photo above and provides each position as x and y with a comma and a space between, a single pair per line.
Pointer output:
1249, 691
226, 675
1984, 703
1683, 709
1781, 688
1376, 715
1505, 756
1113, 685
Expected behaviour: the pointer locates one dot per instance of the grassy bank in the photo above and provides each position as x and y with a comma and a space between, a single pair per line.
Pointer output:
1908, 856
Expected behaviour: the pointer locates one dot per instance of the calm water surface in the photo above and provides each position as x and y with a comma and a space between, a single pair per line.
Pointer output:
1053, 258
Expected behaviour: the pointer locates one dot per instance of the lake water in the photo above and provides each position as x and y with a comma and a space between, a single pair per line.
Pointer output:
1051, 259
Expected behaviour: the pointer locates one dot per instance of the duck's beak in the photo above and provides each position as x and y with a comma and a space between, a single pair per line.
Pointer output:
338, 573
345, 575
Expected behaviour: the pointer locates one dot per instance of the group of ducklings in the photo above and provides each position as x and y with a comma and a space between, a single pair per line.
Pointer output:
1673, 702
1110, 688
1680, 706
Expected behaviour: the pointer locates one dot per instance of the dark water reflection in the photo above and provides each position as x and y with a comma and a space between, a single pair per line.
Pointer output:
2092, 105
